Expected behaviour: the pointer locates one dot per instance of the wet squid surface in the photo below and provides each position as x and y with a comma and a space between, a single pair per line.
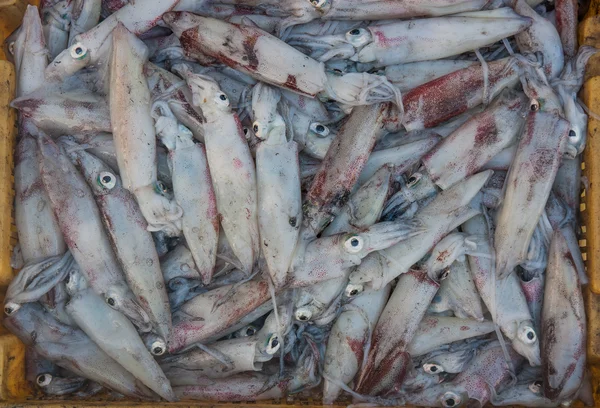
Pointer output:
241, 200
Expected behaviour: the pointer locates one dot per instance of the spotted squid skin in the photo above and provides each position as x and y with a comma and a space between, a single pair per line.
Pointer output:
442, 99
342, 165
563, 324
466, 150
388, 358
528, 186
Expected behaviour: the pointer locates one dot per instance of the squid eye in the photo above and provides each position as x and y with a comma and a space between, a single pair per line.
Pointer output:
450, 400
536, 387
358, 37
527, 335
158, 348
257, 128
431, 368
11, 308
414, 179
534, 106
273, 344
319, 129
11, 47
353, 290
445, 273
318, 3
221, 99
246, 132
250, 331
107, 180
303, 314
78, 51
112, 301
354, 244
43, 380
160, 188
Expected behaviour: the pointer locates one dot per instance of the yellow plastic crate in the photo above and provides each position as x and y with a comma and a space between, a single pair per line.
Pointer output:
16, 392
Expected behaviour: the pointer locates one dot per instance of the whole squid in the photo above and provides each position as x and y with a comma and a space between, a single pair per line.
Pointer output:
71, 348
115, 335
349, 338
130, 239
447, 210
193, 190
231, 166
563, 325
433, 38
133, 131
278, 182
81, 224
266, 58
542, 145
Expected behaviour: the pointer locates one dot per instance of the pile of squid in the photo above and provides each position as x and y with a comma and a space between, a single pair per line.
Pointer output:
354, 200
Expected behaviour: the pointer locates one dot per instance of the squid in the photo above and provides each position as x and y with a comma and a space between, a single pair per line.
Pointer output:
115, 335
435, 331
58, 113
72, 349
224, 358
278, 182
56, 17
179, 263
410, 75
364, 206
349, 338
167, 87
433, 38
215, 311
134, 133
401, 158
130, 239
259, 54
38, 229
231, 166
563, 324
86, 14
437, 101
541, 147
466, 150
458, 293
29, 53
540, 37
336, 178
81, 224
448, 210
505, 299
388, 360
90, 47
193, 190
